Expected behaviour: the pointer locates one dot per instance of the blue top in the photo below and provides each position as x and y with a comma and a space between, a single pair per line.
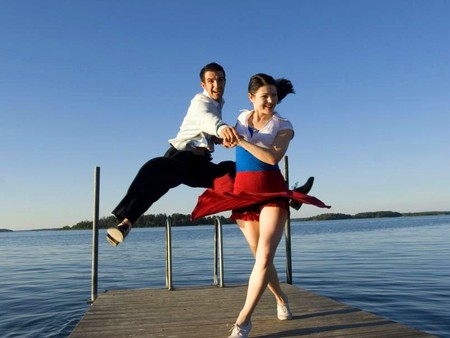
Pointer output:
247, 162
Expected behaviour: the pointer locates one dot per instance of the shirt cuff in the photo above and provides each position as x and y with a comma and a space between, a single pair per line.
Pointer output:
220, 128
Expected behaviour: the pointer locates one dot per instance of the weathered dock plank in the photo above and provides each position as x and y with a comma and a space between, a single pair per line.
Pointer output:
210, 312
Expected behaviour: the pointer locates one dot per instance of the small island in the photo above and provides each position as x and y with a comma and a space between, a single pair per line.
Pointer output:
372, 214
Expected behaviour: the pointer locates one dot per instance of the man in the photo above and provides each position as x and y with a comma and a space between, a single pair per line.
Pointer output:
188, 160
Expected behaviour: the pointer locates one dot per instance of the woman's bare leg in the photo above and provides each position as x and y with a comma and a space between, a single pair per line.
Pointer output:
270, 231
251, 233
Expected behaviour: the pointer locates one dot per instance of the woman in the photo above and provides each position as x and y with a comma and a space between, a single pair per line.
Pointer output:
259, 196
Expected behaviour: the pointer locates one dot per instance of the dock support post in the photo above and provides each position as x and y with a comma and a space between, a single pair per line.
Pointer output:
169, 284
94, 278
287, 229
218, 252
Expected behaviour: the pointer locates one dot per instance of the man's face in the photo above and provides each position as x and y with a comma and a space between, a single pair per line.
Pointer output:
214, 84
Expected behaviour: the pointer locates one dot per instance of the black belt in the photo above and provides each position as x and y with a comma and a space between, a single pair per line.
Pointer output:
198, 151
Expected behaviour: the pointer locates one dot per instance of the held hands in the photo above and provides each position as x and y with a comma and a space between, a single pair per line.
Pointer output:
230, 137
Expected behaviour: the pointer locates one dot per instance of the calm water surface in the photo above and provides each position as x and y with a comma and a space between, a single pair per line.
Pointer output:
395, 267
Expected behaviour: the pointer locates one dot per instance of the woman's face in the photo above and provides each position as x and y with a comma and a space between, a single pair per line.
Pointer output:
265, 99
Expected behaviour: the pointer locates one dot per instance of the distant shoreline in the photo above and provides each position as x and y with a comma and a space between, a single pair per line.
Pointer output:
371, 214
106, 222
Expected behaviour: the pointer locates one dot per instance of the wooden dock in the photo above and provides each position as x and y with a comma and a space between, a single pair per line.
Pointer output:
211, 311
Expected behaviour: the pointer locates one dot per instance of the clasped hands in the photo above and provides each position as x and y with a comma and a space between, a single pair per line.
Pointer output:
230, 137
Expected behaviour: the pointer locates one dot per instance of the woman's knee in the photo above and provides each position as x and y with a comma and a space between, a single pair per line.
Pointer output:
264, 255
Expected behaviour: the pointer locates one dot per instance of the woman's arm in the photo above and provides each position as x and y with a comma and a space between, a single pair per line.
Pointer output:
271, 155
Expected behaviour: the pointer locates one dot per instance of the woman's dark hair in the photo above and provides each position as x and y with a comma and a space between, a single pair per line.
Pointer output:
211, 67
284, 86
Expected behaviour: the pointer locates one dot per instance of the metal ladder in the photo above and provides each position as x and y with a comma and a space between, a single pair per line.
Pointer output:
218, 253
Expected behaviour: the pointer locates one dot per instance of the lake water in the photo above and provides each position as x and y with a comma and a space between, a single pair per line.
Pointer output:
398, 268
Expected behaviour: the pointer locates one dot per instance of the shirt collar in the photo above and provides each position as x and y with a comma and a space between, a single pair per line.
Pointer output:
217, 104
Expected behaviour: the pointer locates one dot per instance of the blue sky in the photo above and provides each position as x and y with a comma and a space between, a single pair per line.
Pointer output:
107, 83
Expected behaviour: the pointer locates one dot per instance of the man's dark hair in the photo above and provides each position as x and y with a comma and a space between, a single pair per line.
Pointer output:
211, 67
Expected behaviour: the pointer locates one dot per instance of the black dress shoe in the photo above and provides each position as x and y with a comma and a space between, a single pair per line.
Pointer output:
304, 189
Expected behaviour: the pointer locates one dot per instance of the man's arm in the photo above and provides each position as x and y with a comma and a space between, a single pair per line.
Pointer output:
208, 120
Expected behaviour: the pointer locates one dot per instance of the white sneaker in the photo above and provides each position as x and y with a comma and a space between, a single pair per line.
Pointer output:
283, 312
116, 235
241, 331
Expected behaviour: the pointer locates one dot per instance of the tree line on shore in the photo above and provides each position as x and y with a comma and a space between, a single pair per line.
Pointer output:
150, 221
159, 220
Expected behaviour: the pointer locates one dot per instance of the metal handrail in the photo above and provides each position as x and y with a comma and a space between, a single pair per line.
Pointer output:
218, 253
287, 229
94, 274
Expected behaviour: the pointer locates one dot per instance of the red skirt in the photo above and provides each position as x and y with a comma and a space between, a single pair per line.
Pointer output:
247, 194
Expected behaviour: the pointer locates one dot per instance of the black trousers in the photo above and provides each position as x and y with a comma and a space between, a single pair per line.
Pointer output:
160, 174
